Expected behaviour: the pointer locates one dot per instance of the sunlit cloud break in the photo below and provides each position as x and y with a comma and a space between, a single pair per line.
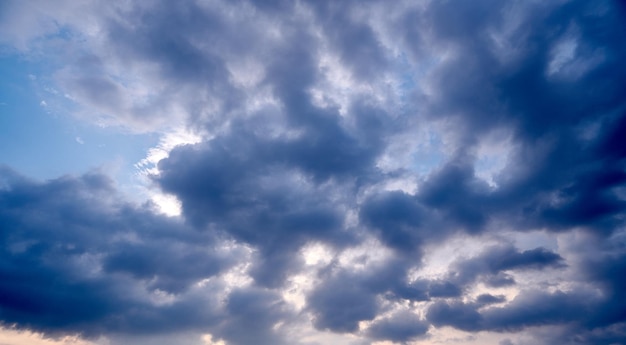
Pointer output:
313, 172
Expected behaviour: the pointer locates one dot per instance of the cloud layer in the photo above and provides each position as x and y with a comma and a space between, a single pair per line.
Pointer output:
367, 172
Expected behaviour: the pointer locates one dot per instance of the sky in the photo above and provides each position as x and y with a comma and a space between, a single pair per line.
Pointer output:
208, 172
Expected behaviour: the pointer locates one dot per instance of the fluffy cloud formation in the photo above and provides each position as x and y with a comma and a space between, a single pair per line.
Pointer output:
363, 171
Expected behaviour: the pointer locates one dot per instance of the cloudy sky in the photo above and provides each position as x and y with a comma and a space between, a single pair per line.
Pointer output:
210, 172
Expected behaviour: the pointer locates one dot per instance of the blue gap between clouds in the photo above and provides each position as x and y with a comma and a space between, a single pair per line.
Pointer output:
43, 144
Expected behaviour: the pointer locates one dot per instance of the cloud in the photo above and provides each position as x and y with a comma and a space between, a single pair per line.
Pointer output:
252, 317
396, 217
379, 132
494, 262
339, 305
243, 198
456, 314
79, 260
532, 308
401, 327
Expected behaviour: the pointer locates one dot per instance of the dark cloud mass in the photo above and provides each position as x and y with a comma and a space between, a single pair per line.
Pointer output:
401, 327
64, 243
366, 171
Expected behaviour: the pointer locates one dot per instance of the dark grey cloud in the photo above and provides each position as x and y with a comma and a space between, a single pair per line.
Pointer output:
229, 192
78, 259
486, 299
353, 40
396, 217
456, 314
586, 315
538, 308
532, 308
546, 114
251, 317
443, 289
399, 328
173, 269
456, 191
494, 262
339, 304
62, 241
606, 269
557, 177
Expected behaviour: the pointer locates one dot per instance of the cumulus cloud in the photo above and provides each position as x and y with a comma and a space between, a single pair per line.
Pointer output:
364, 128
401, 327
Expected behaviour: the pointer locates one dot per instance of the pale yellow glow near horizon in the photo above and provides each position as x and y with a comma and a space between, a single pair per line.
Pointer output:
10, 336
208, 340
